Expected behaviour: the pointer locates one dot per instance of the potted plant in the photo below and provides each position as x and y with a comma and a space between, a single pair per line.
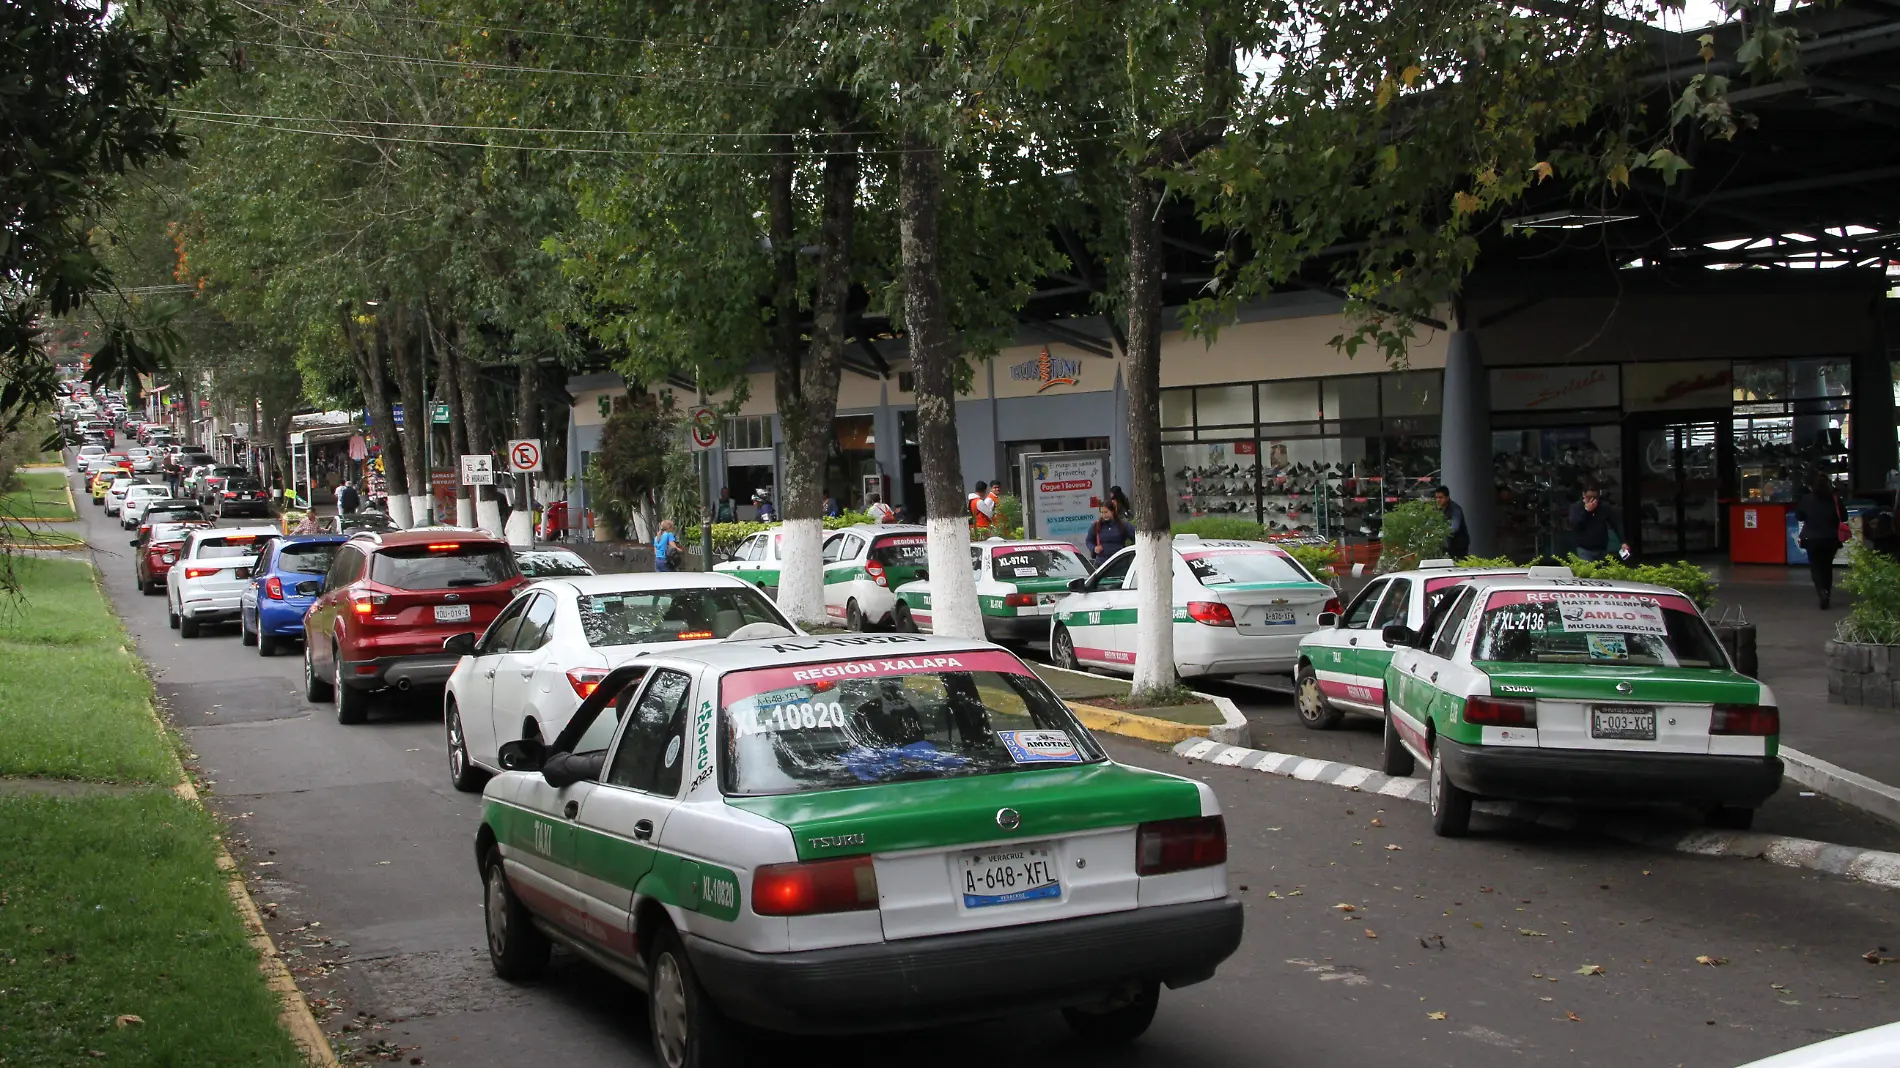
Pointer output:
1414, 531
1863, 663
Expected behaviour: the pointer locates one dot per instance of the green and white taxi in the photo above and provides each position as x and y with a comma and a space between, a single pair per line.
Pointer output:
1342, 664
1017, 586
850, 834
863, 565
1239, 607
758, 560
1574, 690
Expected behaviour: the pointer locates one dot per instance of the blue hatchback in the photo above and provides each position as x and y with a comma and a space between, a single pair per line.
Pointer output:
271, 611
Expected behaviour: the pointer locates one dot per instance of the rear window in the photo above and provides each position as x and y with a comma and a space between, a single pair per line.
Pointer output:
1034, 562
224, 548
551, 564
243, 485
900, 550
636, 618
308, 557
790, 730
1244, 565
1595, 627
443, 566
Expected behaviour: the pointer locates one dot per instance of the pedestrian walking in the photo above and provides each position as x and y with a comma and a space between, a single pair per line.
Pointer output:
667, 554
1594, 524
1108, 535
1823, 531
347, 499
879, 511
1458, 545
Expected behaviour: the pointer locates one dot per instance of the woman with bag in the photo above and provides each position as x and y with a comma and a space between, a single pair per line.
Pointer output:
1824, 530
1110, 534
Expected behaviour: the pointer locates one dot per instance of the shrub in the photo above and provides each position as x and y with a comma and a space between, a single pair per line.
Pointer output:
727, 536
1487, 561
1009, 516
1222, 526
847, 519
1319, 559
1414, 531
1874, 580
1682, 576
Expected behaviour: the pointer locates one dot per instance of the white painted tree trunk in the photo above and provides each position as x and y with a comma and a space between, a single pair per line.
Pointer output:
952, 582
1154, 616
464, 512
488, 514
418, 509
801, 576
520, 529
399, 512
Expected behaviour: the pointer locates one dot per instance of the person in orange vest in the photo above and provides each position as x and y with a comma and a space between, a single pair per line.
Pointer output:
982, 508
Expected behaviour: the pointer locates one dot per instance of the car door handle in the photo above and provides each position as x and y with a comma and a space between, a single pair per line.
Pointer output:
571, 809
528, 674
488, 674
1434, 676
643, 830
1352, 641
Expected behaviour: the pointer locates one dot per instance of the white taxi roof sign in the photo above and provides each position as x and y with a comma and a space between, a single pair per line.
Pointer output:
1550, 571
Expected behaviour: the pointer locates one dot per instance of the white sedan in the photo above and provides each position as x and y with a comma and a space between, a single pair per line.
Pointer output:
137, 498
545, 652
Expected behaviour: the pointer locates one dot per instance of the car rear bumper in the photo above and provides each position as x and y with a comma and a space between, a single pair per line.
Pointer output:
1016, 629
1595, 777
398, 671
259, 508
281, 619
976, 975
209, 607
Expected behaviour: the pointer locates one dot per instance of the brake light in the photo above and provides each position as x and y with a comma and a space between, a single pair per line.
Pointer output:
445, 547
274, 588
585, 680
365, 603
694, 635
1019, 600
848, 884
1335, 607
1212, 613
1493, 712
1180, 845
876, 571
228, 493
1751, 720
236, 539
199, 572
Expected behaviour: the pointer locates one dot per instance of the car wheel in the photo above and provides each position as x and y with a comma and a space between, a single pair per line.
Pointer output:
688, 1029
171, 617
1316, 713
314, 689
900, 619
352, 706
247, 636
144, 586
1062, 649
516, 948
1118, 1022
1451, 807
1396, 760
187, 627
463, 775
1731, 817
853, 615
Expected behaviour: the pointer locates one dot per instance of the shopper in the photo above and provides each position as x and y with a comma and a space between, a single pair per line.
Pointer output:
666, 548
1823, 529
880, 512
1109, 534
1458, 545
347, 499
1594, 524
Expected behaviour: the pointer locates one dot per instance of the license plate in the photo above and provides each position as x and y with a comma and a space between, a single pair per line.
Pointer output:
1045, 598
451, 613
1623, 721
1007, 876
1276, 615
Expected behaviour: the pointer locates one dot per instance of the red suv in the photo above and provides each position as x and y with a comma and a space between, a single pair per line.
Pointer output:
386, 604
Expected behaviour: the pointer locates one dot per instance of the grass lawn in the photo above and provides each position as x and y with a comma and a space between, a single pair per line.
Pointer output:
113, 907
42, 495
72, 701
1111, 693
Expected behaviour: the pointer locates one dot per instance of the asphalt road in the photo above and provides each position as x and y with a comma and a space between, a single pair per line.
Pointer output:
361, 854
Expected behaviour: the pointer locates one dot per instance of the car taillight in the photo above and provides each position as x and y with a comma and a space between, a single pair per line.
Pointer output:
1494, 712
1335, 607
365, 603
1180, 845
1753, 720
1212, 613
848, 884
1019, 600
228, 493
585, 680
876, 571
693, 635
274, 588
199, 572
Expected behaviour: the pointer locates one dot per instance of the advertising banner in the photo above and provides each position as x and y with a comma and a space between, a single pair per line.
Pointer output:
1062, 491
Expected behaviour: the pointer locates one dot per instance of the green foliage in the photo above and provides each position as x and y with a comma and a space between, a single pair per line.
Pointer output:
1222, 526
1487, 561
1874, 580
607, 506
1682, 576
1318, 559
1009, 516
1414, 531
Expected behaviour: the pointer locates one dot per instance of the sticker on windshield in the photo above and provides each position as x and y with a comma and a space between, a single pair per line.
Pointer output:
1040, 747
1025, 572
1608, 647
673, 751
1622, 617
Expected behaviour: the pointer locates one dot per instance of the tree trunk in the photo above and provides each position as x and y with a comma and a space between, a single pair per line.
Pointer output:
475, 436
1154, 545
520, 525
934, 360
805, 379
448, 390
406, 362
370, 361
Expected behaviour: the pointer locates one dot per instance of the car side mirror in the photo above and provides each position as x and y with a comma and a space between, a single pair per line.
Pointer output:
923, 574
1329, 619
1078, 585
309, 588
522, 754
462, 644
134, 543
1398, 634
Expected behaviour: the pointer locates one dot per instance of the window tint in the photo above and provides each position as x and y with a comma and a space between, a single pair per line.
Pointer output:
637, 617
834, 549
853, 546
309, 558
900, 550
652, 749
551, 563
1392, 610
1359, 613
500, 637
342, 569
1114, 574
1613, 627
225, 548
1245, 565
534, 624
1037, 562
448, 565
1445, 636
750, 550
599, 733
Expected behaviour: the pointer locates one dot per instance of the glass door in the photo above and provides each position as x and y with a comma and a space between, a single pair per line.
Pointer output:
1677, 505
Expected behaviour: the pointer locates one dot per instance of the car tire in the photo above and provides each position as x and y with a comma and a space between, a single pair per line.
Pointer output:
1394, 759
1062, 649
171, 617
516, 947
1731, 817
1451, 807
901, 620
246, 635
463, 774
854, 616
314, 689
266, 644
688, 1030
187, 627
144, 586
1316, 713
1122, 1023
352, 705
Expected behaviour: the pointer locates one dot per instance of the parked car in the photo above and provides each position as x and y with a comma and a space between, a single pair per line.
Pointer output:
389, 601
103, 478
144, 460
1017, 586
158, 551
87, 456
1239, 607
1583, 691
545, 653
209, 578
240, 496
271, 609
213, 479
855, 834
550, 563
862, 565
116, 491
132, 509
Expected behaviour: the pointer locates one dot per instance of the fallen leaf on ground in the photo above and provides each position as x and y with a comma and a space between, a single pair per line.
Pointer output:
1377, 822
1528, 933
1434, 1016
1394, 848
1344, 907
1874, 956
128, 1020
1273, 893
1574, 1017
1590, 969
1712, 962
1370, 933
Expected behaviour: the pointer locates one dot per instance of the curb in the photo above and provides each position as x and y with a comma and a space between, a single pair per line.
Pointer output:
1847, 787
1872, 866
1232, 730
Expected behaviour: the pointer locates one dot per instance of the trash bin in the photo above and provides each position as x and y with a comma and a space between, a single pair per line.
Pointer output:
1739, 639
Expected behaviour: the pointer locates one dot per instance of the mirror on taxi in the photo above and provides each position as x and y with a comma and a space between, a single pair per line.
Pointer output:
134, 543
1328, 619
1398, 634
922, 575
1078, 585
522, 754
462, 644
309, 588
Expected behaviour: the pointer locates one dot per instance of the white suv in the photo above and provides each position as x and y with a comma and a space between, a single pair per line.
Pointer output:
207, 583
132, 509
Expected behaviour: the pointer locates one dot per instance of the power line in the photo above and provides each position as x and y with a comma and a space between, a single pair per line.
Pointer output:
476, 64
496, 28
349, 135
521, 129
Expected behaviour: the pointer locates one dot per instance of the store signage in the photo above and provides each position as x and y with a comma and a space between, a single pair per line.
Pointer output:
1679, 385
1553, 388
1064, 490
1047, 370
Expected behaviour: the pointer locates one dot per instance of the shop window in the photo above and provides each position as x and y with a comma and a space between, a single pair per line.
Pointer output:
1540, 473
1289, 402
1217, 478
1411, 393
1761, 380
749, 432
1177, 407
1224, 406
1352, 397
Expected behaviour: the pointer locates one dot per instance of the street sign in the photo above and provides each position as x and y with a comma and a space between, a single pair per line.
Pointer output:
478, 470
441, 414
524, 456
702, 427
395, 414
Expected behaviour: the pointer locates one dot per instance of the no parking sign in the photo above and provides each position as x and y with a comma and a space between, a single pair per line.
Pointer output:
524, 456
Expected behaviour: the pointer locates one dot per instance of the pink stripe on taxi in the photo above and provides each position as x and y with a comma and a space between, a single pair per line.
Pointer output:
739, 685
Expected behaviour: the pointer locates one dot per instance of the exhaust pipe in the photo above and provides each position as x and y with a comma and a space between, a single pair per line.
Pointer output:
403, 683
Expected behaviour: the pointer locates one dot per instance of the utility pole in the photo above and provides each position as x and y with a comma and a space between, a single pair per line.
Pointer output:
702, 463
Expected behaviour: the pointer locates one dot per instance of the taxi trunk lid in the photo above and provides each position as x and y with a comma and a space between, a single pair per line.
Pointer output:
1289, 608
1567, 700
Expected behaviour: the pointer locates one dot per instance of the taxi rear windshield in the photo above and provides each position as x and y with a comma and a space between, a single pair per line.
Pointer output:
1011, 565
672, 615
903, 550
1257, 565
899, 719
448, 565
1608, 628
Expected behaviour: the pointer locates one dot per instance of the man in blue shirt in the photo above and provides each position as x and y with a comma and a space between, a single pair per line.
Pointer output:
1458, 545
